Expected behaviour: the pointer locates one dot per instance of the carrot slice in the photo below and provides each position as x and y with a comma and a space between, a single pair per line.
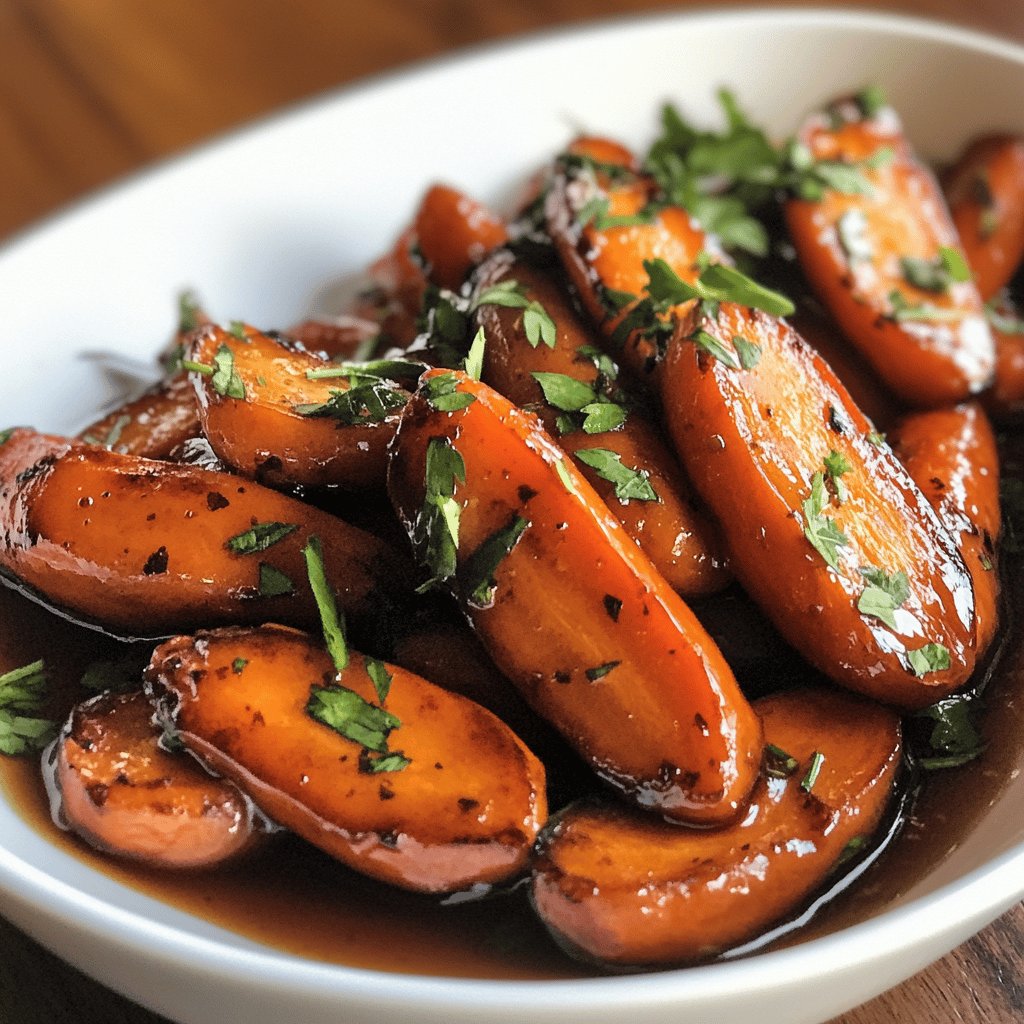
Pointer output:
985, 189
568, 606
824, 527
395, 777
625, 889
951, 455
339, 337
887, 261
145, 548
118, 789
280, 427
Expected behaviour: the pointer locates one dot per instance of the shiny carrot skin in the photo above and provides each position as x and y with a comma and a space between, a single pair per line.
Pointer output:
930, 345
140, 548
951, 455
580, 620
457, 801
678, 539
118, 789
268, 433
340, 337
801, 540
626, 890
985, 190
1005, 399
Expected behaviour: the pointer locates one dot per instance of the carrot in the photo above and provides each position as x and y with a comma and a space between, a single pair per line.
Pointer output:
153, 425
625, 889
603, 150
678, 539
393, 776
145, 548
824, 528
264, 416
951, 455
123, 793
887, 262
339, 337
985, 189
1005, 399
568, 606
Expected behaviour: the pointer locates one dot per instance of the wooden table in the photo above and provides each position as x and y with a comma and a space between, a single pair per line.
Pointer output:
92, 89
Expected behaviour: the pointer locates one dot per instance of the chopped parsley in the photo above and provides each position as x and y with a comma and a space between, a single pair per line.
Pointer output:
600, 671
883, 594
902, 310
366, 401
748, 351
630, 484
349, 715
392, 369
237, 330
563, 475
332, 621
537, 324
936, 275
709, 343
474, 364
435, 533
953, 737
716, 283
259, 537
22, 692
442, 393
273, 582
821, 531
872, 100
595, 211
238, 665
777, 763
380, 677
478, 581
569, 395
5, 435
836, 465
113, 435
813, 771
930, 658
225, 379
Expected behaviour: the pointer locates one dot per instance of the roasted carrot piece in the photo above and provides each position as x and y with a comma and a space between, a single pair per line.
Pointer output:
951, 455
395, 777
339, 337
823, 525
145, 548
568, 606
985, 190
1005, 399
116, 787
265, 417
887, 261
152, 425
662, 519
603, 150
624, 889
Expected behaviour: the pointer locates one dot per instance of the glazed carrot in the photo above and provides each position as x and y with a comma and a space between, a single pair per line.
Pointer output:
625, 889
985, 190
887, 261
568, 606
339, 337
824, 528
395, 777
145, 548
118, 789
152, 425
951, 455
679, 540
265, 417
603, 150
1005, 399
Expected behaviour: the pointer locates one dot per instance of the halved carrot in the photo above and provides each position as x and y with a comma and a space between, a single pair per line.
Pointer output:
339, 337
568, 606
627, 890
888, 264
145, 548
1004, 401
395, 777
116, 787
824, 527
985, 189
280, 427
152, 425
678, 539
951, 455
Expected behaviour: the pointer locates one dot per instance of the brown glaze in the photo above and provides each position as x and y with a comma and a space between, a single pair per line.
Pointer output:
340, 337
463, 811
581, 622
927, 362
628, 890
752, 442
138, 547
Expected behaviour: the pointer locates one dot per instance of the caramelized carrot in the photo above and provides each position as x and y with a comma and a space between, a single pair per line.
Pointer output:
116, 787
340, 337
1005, 399
824, 528
985, 189
951, 455
603, 150
679, 540
152, 425
144, 548
625, 889
887, 262
395, 777
282, 428
568, 606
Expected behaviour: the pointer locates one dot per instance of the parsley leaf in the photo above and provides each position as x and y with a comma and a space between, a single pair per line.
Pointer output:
6, 435
225, 379
537, 324
259, 537
478, 576
836, 464
821, 531
392, 369
563, 475
716, 283
777, 763
22, 691
565, 392
435, 533
748, 351
113, 434
273, 582
710, 344
366, 402
602, 416
902, 309
954, 738
380, 677
930, 658
938, 274
474, 364
883, 595
331, 619
600, 671
238, 665
630, 484
872, 100
813, 771
442, 393
344, 711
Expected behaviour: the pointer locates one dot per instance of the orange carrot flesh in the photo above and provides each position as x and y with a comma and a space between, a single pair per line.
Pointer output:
625, 889
578, 618
456, 801
1005, 400
813, 507
119, 790
277, 427
919, 324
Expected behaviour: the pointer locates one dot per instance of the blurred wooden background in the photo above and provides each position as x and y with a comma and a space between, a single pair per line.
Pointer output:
93, 89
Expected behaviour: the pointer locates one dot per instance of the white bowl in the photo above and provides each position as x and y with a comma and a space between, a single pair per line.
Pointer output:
260, 222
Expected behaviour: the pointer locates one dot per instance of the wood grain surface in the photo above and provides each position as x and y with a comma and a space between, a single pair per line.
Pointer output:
93, 89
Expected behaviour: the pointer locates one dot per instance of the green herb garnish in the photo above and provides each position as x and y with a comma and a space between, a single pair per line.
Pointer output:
478, 577
331, 619
259, 537
883, 595
938, 274
474, 364
537, 324
225, 380
443, 394
369, 401
777, 763
954, 738
820, 530
813, 771
238, 665
435, 533
930, 658
630, 484
22, 692
344, 711
600, 671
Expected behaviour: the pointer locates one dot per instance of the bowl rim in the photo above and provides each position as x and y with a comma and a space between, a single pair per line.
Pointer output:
988, 889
